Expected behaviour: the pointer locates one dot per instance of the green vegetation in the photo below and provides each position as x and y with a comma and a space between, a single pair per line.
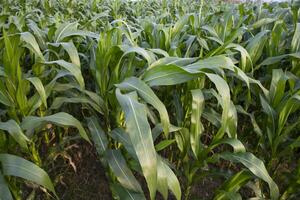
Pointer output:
169, 92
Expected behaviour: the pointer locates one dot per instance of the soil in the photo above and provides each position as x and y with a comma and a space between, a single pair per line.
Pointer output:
88, 182
80, 177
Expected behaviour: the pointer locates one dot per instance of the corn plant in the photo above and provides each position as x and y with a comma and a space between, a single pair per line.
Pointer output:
169, 92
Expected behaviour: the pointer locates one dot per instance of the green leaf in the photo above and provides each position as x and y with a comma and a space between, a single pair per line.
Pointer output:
21, 97
39, 88
164, 144
148, 55
59, 101
236, 144
179, 25
224, 195
166, 72
140, 135
167, 180
262, 22
119, 167
72, 68
4, 98
70, 29
71, 50
4, 190
295, 45
233, 184
19, 167
61, 119
158, 129
272, 116
276, 59
196, 125
134, 84
256, 166
126, 194
256, 45
98, 135
291, 105
167, 75
13, 128
122, 137
277, 87
31, 43
224, 91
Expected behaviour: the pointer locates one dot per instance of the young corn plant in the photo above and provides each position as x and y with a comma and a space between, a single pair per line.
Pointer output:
25, 94
171, 92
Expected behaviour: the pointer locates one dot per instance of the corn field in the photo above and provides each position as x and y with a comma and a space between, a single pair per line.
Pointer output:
168, 93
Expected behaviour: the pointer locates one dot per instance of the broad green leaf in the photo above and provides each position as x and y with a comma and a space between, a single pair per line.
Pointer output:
98, 135
256, 128
211, 30
122, 137
4, 99
59, 101
158, 129
236, 144
295, 45
139, 132
196, 125
31, 43
263, 22
233, 184
212, 63
224, 195
164, 144
272, 116
167, 75
160, 52
9, 68
256, 166
179, 25
72, 68
277, 87
126, 194
171, 74
61, 119
290, 106
4, 190
39, 88
39, 34
224, 91
244, 57
212, 116
71, 50
70, 29
256, 45
13, 128
173, 60
167, 176
35, 102
276, 59
21, 98
134, 84
119, 167
148, 55
16, 166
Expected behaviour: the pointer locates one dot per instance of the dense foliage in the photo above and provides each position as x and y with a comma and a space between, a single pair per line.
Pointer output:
168, 92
